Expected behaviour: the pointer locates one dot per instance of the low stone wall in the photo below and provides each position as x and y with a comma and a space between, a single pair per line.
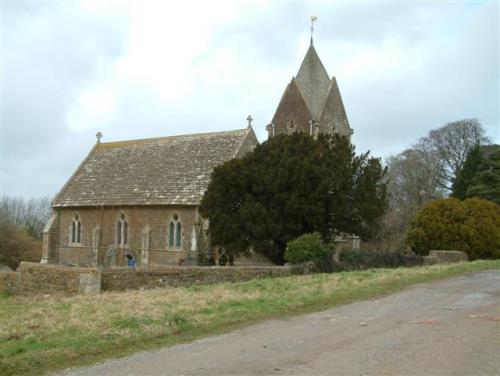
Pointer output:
123, 279
445, 257
34, 278
8, 282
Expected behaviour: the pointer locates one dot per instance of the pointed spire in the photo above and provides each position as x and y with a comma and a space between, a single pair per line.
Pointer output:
313, 82
292, 114
334, 117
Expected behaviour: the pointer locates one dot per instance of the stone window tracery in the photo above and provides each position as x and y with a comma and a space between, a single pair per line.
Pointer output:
175, 232
76, 230
122, 230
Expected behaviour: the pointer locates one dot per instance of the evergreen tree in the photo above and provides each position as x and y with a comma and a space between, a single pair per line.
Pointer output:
291, 185
465, 175
480, 175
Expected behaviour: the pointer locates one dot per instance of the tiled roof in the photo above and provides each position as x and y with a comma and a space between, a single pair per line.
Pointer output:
313, 82
292, 109
334, 115
159, 171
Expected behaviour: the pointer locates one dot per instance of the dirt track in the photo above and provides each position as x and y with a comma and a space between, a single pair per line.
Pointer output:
449, 327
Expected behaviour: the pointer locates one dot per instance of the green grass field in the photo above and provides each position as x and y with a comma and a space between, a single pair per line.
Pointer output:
46, 333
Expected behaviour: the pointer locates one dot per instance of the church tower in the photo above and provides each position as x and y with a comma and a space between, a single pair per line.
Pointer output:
311, 102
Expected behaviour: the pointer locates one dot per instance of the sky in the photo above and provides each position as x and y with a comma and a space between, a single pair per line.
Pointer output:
140, 69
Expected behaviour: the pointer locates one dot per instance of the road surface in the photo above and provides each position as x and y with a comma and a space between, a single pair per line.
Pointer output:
450, 327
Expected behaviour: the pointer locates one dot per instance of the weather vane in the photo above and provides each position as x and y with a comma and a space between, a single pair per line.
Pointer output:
313, 19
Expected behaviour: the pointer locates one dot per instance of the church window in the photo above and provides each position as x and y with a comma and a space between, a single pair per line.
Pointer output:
76, 230
178, 235
171, 233
194, 240
122, 230
175, 232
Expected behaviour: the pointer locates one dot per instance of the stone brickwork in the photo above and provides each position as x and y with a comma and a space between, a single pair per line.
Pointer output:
8, 282
445, 257
32, 278
147, 236
123, 279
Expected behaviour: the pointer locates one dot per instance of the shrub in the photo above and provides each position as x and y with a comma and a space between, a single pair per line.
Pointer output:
472, 226
482, 227
307, 247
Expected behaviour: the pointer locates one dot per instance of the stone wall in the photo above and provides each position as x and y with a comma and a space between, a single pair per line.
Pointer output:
445, 257
8, 282
33, 278
123, 279
147, 227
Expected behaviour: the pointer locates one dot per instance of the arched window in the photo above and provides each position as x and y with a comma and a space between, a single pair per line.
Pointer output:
171, 234
76, 230
122, 230
175, 232
194, 240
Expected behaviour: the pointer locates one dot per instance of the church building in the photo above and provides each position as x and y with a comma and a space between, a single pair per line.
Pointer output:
141, 197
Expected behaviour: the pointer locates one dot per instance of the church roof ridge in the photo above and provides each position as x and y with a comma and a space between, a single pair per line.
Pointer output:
111, 144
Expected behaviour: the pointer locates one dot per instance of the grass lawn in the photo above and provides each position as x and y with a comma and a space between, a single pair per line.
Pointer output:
46, 333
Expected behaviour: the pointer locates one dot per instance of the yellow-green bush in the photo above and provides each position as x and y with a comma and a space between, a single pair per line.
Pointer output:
472, 226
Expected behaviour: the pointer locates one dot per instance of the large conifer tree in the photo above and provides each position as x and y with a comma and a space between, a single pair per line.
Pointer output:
480, 175
291, 185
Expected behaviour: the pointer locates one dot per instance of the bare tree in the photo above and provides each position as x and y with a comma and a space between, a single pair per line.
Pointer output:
21, 222
452, 143
425, 172
30, 215
413, 178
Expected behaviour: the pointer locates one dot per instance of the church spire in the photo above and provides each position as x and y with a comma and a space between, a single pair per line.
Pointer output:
313, 82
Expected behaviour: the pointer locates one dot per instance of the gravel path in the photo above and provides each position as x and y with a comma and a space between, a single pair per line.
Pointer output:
449, 327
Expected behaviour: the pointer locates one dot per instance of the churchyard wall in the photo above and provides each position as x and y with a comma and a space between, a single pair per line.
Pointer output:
33, 278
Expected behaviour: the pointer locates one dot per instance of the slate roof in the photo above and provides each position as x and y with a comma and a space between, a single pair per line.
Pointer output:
293, 108
158, 171
313, 82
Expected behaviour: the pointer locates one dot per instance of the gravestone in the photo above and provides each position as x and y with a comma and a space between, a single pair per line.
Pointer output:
90, 283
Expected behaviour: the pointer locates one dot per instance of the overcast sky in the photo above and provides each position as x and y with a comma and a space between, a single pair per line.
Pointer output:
139, 69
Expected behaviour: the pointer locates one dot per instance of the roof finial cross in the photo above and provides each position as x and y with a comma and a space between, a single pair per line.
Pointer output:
313, 19
249, 119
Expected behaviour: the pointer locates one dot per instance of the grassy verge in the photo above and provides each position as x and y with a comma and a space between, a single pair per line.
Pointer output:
46, 333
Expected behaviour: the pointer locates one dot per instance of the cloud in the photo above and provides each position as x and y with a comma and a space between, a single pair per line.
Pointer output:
145, 69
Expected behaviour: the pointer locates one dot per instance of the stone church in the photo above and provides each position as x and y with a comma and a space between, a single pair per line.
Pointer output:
311, 102
141, 197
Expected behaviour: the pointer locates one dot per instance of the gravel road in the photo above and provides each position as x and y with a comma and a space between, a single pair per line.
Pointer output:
450, 327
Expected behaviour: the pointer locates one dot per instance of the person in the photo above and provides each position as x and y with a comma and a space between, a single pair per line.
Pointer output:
131, 261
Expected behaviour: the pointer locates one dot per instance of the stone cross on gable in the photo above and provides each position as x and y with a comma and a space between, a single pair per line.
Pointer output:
249, 119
